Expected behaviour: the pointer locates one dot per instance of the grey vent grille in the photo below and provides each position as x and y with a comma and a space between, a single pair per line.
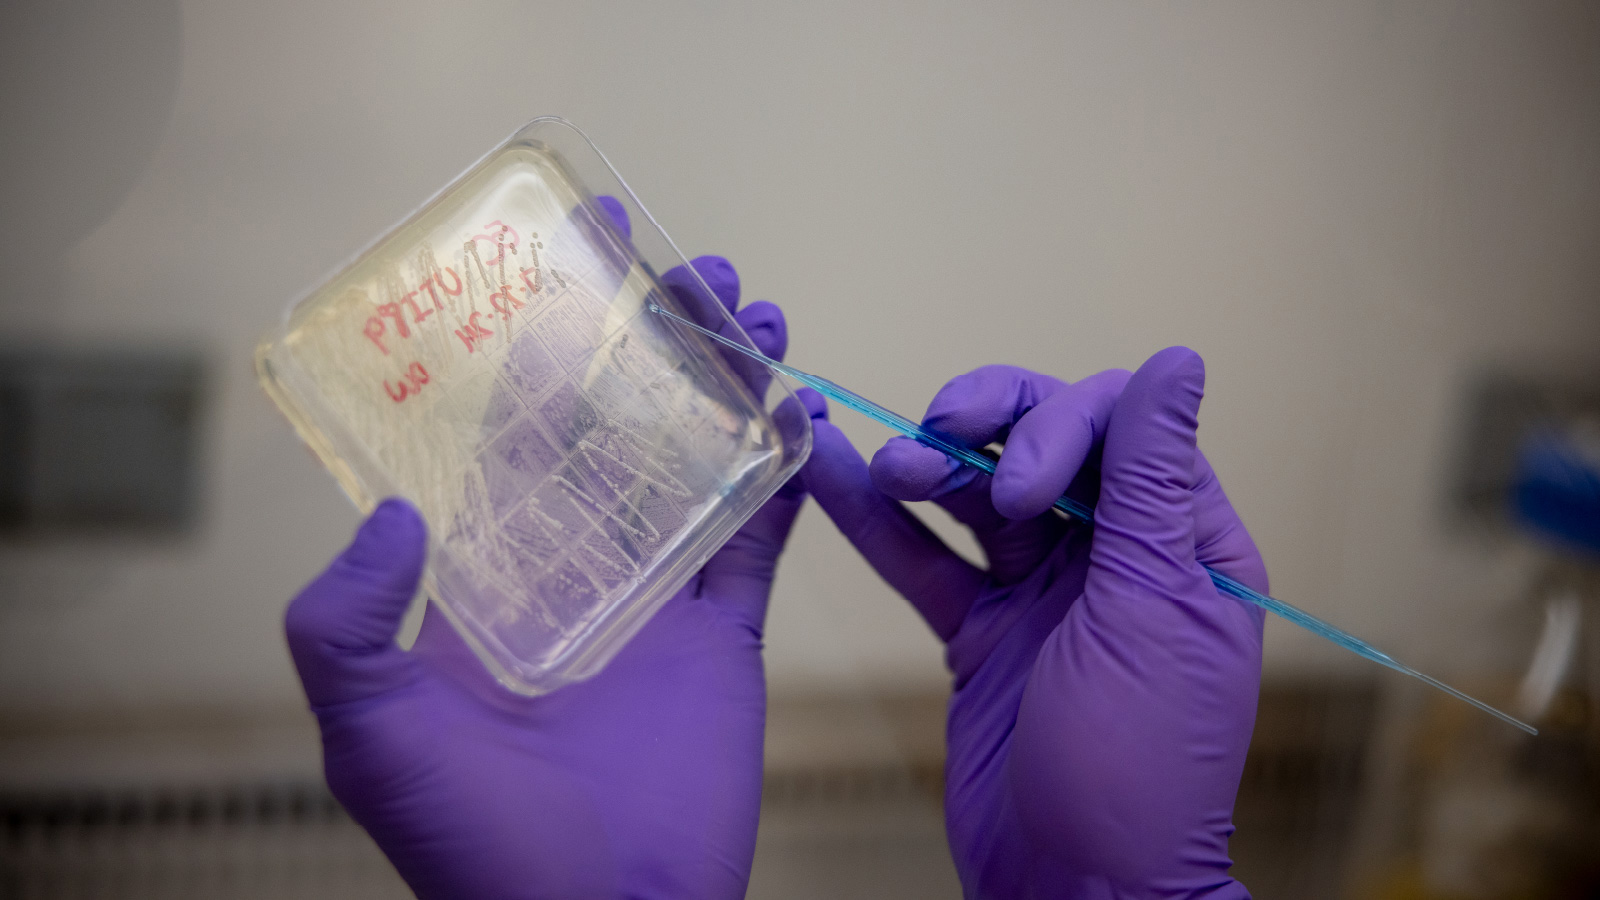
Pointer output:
259, 841
822, 788
842, 827
293, 840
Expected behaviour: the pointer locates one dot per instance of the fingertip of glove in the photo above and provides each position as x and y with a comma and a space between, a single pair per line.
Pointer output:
1015, 492
1180, 367
393, 520
617, 213
907, 470
815, 404
385, 556
393, 539
761, 314
829, 447
763, 320
721, 277
1162, 397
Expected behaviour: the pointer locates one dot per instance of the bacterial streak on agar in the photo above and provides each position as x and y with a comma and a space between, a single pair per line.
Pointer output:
1084, 514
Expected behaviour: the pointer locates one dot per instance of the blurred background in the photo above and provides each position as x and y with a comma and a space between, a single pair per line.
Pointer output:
1379, 222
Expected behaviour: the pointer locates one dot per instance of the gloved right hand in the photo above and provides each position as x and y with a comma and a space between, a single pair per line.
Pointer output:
1104, 692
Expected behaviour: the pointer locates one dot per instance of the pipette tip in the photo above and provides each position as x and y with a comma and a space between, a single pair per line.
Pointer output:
1467, 698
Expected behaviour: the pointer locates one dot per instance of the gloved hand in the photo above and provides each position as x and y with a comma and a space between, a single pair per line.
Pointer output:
644, 781
1104, 692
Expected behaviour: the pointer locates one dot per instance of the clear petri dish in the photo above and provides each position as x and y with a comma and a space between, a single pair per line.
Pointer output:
492, 360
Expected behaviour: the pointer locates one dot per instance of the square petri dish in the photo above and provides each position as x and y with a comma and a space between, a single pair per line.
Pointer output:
493, 360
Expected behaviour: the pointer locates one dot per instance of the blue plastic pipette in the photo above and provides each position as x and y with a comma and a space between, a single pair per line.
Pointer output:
1084, 514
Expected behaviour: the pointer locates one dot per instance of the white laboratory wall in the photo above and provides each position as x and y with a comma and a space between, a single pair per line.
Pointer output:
1347, 208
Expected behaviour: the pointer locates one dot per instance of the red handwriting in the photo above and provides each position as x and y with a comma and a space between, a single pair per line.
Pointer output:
474, 332
504, 301
399, 318
435, 279
417, 313
496, 235
392, 311
410, 383
375, 329
374, 332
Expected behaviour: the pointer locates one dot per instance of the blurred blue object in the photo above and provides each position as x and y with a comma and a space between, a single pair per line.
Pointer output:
1556, 491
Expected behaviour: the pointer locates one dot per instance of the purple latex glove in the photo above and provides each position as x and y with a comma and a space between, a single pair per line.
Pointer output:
1104, 692
644, 781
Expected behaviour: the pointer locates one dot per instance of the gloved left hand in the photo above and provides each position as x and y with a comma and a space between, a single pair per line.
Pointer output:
644, 781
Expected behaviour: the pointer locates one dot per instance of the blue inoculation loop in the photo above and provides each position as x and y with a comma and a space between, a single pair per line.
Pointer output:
1083, 513
1350, 642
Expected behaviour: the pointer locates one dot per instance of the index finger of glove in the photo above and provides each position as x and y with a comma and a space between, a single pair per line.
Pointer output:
903, 551
739, 575
972, 410
1051, 442
707, 310
617, 213
763, 321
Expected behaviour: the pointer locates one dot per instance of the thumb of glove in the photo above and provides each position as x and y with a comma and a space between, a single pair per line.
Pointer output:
1144, 523
341, 628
